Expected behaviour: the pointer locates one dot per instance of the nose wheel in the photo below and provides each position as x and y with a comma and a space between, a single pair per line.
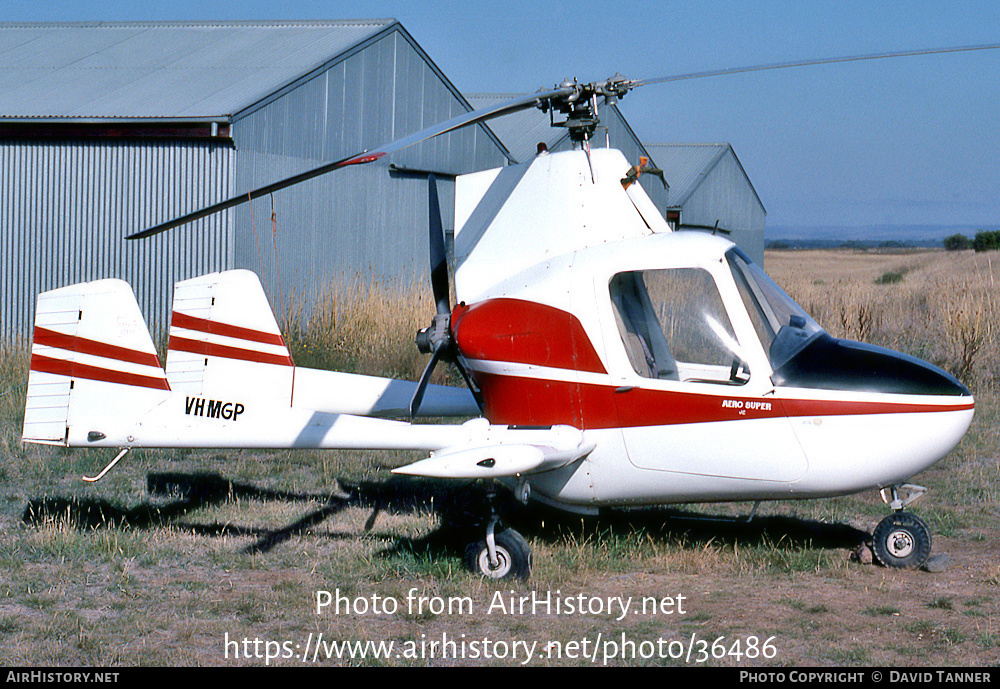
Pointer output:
901, 540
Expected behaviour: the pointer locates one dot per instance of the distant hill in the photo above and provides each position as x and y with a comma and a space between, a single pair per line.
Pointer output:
866, 236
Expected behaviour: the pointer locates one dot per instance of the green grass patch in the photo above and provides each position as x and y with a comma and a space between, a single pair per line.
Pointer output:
882, 611
890, 277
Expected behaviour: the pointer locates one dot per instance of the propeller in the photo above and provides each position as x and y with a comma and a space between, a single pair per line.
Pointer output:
437, 339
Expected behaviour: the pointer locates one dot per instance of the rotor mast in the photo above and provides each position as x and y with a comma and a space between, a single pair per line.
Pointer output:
579, 106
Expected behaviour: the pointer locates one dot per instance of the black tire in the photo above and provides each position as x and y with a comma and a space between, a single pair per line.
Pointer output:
901, 540
513, 556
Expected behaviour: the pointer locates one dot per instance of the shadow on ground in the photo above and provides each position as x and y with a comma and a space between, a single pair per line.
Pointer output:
462, 508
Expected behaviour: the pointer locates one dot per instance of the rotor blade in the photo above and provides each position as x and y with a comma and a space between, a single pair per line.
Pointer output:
439, 256
816, 61
256, 193
368, 156
418, 394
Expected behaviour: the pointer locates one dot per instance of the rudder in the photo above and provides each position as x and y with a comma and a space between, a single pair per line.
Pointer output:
225, 339
91, 353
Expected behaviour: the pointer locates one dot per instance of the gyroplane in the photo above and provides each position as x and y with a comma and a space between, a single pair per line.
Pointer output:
608, 360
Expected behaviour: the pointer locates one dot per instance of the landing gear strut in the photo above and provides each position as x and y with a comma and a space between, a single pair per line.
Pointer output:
902, 539
503, 554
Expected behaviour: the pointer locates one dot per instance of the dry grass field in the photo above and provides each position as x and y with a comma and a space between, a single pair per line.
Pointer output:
939, 306
202, 558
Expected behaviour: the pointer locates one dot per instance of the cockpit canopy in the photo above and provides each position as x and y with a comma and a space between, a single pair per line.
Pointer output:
783, 327
675, 325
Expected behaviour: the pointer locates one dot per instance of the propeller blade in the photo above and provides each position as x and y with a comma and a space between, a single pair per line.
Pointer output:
463, 369
457, 122
815, 61
418, 394
439, 257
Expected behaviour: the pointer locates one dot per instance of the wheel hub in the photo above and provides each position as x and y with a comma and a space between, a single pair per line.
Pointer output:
901, 540
502, 565
900, 544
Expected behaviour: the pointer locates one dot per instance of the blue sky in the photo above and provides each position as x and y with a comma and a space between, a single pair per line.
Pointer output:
903, 141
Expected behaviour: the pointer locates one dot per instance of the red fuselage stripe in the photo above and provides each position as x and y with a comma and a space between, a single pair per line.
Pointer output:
531, 401
73, 369
797, 407
72, 343
204, 325
182, 344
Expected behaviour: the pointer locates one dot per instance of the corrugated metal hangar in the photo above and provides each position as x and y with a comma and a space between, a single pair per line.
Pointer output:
710, 191
109, 128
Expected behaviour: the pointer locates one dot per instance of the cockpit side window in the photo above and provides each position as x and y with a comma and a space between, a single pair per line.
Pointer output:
674, 326
635, 315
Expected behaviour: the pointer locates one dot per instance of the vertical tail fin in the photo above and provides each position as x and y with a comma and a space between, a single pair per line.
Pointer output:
224, 337
91, 354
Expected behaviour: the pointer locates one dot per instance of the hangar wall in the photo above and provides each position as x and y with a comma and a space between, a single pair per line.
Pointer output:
370, 220
278, 98
68, 204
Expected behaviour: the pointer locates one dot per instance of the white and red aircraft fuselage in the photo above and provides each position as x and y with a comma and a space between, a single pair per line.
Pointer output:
619, 363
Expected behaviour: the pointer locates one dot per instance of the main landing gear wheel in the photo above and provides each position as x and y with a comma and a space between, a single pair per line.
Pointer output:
901, 540
513, 556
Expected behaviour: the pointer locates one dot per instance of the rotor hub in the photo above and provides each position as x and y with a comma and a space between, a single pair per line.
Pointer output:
580, 105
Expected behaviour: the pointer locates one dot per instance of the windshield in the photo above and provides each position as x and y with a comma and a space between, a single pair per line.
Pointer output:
783, 327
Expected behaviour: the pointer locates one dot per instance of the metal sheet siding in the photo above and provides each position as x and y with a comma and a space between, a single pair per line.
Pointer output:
360, 221
68, 206
725, 196
684, 166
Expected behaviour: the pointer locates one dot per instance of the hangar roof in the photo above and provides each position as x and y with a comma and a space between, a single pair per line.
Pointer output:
164, 70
